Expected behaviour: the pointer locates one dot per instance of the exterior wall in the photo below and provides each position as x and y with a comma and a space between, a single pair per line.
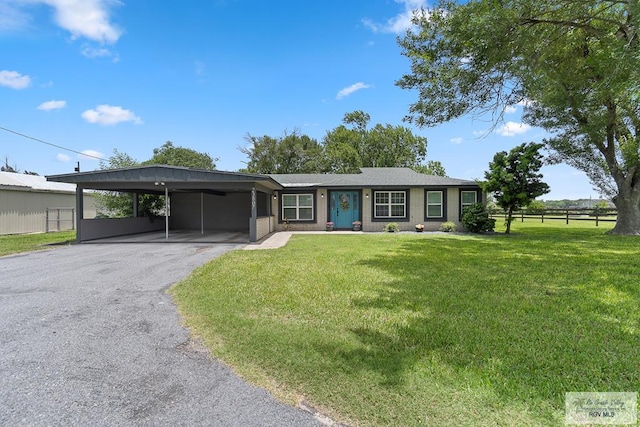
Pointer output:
453, 207
417, 206
264, 226
109, 227
25, 211
320, 213
229, 212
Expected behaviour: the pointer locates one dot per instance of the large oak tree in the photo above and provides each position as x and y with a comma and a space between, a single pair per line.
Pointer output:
573, 64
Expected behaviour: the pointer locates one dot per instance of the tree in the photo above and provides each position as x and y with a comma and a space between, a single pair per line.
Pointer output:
291, 153
168, 154
149, 205
349, 149
574, 64
114, 203
514, 178
7, 167
433, 167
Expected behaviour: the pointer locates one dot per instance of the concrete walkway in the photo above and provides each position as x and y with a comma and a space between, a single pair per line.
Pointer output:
280, 238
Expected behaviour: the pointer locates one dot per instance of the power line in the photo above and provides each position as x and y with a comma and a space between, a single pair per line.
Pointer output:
48, 143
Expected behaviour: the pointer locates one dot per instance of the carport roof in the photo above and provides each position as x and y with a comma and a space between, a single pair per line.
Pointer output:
153, 179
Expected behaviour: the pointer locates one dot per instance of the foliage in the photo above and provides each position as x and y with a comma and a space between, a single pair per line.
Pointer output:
120, 205
427, 329
573, 65
391, 227
349, 148
432, 167
448, 227
113, 203
17, 243
475, 219
514, 178
535, 206
168, 154
290, 153
7, 167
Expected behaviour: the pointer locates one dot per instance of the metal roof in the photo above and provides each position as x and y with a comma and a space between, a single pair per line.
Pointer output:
18, 181
371, 177
153, 179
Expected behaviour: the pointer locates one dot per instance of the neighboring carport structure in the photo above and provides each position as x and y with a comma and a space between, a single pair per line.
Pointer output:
200, 200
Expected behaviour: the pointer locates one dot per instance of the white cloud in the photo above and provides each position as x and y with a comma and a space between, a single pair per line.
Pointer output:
525, 103
11, 17
94, 52
510, 109
14, 79
86, 18
457, 140
90, 155
63, 158
351, 89
52, 105
110, 115
512, 129
399, 23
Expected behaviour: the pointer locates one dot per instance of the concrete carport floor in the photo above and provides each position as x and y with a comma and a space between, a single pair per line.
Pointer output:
179, 236
90, 337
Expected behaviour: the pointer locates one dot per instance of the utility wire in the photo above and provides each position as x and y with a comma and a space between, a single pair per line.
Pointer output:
48, 143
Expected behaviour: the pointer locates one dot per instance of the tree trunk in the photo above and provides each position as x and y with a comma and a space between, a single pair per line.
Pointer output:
628, 204
509, 219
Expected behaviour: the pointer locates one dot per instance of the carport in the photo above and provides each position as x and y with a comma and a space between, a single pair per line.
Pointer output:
196, 201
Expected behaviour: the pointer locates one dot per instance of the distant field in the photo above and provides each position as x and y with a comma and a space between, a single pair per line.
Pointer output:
558, 220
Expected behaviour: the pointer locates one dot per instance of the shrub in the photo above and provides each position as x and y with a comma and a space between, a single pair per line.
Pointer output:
448, 226
476, 219
392, 227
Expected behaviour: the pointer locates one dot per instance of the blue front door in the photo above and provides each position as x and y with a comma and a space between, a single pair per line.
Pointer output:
344, 208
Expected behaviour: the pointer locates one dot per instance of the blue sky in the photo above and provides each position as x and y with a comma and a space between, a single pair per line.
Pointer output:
97, 75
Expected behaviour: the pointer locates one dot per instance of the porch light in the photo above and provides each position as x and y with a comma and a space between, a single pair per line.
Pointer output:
322, 195
275, 197
366, 195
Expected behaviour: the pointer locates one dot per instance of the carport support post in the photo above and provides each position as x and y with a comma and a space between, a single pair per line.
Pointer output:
166, 212
135, 205
253, 232
79, 212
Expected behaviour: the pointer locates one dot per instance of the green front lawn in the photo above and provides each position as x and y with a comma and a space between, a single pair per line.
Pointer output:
428, 329
16, 243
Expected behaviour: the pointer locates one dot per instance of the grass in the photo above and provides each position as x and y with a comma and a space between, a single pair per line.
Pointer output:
17, 243
428, 329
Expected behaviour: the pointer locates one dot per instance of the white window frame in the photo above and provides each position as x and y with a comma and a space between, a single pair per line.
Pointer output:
441, 204
297, 206
389, 204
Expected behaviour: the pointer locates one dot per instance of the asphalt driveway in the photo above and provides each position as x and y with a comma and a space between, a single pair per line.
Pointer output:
88, 336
